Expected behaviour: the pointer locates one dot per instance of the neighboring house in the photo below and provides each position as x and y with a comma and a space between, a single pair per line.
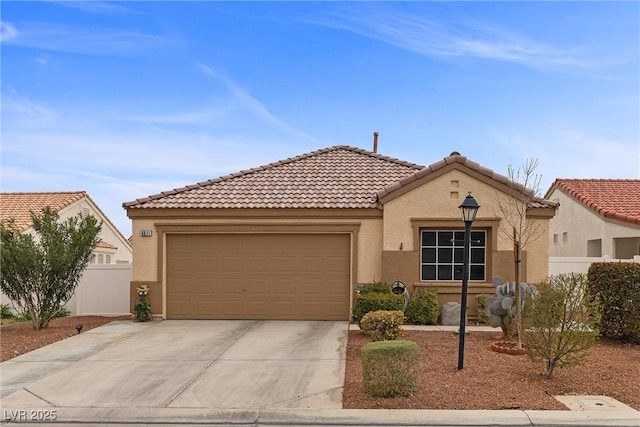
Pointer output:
293, 239
113, 248
596, 217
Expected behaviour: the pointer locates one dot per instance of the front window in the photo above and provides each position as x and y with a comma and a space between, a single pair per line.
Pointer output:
441, 255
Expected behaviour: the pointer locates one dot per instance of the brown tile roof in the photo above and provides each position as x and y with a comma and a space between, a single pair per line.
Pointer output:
617, 199
19, 205
536, 202
335, 177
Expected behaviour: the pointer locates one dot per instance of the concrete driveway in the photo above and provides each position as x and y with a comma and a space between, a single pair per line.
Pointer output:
184, 364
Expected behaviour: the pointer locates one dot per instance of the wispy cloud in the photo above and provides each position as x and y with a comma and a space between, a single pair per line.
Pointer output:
570, 153
419, 33
245, 100
205, 116
96, 7
87, 41
7, 31
105, 151
21, 110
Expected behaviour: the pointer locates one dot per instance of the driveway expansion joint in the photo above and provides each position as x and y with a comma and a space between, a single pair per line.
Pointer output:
195, 378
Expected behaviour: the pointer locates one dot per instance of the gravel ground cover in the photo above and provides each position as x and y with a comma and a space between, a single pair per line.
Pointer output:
493, 380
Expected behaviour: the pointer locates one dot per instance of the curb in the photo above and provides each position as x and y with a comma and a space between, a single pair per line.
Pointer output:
322, 417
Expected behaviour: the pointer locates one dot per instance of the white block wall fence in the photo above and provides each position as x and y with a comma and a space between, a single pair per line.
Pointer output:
565, 265
103, 290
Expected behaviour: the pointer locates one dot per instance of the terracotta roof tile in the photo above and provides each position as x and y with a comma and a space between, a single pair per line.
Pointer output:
105, 245
335, 177
18, 206
612, 198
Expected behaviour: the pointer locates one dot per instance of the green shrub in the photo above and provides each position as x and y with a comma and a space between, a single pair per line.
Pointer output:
375, 288
423, 307
382, 325
390, 368
560, 323
616, 287
481, 301
365, 303
5, 312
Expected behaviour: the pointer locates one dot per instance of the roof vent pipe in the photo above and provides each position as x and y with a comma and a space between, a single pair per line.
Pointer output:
375, 142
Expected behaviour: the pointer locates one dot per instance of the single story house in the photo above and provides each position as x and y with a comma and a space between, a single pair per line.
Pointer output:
294, 238
596, 217
113, 247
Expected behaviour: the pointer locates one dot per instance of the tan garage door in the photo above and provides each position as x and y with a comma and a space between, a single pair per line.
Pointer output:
258, 276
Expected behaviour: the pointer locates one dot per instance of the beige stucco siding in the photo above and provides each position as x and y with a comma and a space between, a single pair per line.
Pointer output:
436, 203
370, 251
145, 265
436, 199
537, 250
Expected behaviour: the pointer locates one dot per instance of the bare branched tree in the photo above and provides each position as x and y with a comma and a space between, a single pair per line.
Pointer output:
511, 206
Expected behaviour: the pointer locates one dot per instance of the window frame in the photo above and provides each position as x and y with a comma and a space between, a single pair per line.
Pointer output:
489, 224
452, 254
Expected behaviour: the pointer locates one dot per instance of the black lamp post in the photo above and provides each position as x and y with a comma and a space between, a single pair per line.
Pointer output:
469, 209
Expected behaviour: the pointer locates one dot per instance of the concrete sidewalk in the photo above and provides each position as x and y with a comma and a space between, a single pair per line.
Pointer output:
221, 373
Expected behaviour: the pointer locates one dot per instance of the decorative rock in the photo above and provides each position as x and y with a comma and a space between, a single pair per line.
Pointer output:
451, 314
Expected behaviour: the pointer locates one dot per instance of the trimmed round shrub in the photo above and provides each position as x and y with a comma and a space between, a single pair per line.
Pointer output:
375, 288
390, 368
382, 325
365, 303
423, 307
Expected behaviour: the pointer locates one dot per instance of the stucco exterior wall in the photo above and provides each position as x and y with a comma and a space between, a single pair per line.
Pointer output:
370, 251
536, 267
123, 253
582, 224
436, 202
437, 199
145, 262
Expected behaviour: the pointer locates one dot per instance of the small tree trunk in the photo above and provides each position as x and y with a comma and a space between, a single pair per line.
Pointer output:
550, 365
507, 330
518, 305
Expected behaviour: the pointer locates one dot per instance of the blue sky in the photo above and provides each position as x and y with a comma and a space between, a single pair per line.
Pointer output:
127, 99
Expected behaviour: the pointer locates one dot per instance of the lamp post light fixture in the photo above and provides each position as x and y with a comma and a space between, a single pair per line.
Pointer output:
469, 209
